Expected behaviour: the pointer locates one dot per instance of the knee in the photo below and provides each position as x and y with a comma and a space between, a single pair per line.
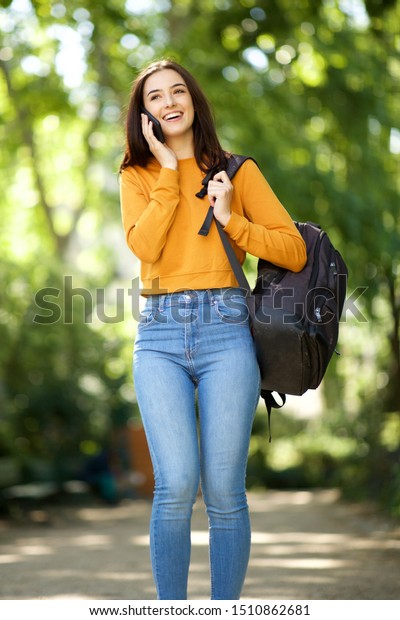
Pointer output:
178, 488
224, 499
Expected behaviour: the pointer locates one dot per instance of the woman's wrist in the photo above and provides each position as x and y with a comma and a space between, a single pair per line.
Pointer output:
224, 219
170, 166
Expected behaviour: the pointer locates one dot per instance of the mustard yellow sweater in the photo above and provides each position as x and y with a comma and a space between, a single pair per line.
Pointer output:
161, 217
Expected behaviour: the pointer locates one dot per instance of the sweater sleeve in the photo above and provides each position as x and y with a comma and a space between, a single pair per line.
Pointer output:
147, 218
266, 229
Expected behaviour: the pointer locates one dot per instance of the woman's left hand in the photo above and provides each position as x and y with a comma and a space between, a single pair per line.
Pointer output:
220, 191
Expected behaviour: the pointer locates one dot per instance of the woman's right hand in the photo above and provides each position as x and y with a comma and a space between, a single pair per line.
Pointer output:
163, 153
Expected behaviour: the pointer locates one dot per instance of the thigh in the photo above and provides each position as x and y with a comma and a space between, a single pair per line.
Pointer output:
166, 399
228, 395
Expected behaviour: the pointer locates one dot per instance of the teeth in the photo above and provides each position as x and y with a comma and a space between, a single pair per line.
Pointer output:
173, 115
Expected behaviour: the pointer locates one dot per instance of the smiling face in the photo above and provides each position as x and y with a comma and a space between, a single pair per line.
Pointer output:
167, 97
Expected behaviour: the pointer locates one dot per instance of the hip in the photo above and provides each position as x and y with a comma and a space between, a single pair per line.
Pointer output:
211, 318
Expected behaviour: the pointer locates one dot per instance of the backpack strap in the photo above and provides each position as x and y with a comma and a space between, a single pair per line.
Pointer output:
268, 396
205, 227
271, 403
233, 259
234, 163
204, 183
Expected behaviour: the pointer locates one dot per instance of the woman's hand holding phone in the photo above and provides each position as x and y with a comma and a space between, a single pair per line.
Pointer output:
163, 153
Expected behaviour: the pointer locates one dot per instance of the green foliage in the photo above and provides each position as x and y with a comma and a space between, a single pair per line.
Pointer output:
302, 454
63, 383
311, 91
323, 453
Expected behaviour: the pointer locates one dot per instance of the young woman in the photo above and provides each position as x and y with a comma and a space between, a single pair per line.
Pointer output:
195, 369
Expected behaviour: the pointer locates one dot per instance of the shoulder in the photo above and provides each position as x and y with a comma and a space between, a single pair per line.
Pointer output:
246, 168
128, 177
134, 174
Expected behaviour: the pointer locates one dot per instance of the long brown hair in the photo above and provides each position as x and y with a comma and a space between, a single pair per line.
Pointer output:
207, 149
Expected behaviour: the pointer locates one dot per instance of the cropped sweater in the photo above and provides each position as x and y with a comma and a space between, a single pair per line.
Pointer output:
162, 216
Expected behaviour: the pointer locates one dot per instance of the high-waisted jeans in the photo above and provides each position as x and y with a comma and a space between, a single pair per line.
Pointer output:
187, 342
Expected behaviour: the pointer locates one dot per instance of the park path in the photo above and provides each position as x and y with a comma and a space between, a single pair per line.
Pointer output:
307, 545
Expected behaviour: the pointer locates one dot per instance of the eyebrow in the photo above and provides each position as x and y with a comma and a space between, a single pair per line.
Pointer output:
157, 90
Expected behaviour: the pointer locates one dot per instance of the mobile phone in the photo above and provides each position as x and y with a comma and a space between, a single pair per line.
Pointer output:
156, 125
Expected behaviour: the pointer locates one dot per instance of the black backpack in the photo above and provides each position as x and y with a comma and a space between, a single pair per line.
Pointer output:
294, 317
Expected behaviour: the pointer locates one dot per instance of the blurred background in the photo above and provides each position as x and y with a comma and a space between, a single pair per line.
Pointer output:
310, 89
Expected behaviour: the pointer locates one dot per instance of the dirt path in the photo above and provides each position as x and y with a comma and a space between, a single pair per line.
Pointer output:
306, 545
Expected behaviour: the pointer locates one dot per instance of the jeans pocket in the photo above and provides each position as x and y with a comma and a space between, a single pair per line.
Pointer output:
232, 309
148, 315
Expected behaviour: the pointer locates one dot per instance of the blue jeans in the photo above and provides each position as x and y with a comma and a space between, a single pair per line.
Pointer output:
187, 342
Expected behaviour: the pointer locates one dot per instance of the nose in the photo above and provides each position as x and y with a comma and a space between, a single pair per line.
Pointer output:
169, 100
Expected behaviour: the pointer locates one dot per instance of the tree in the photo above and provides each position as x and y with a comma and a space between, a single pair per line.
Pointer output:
310, 89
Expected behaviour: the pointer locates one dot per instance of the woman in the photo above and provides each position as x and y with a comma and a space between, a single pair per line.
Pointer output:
193, 338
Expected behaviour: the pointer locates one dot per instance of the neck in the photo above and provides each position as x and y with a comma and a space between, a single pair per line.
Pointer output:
183, 146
